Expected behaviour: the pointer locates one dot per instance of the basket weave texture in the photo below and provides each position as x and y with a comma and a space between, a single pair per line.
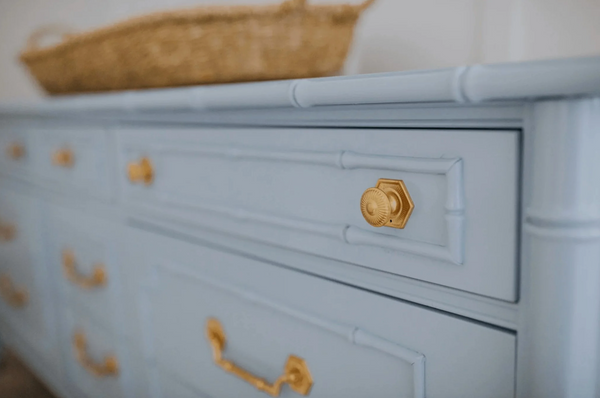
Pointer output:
214, 44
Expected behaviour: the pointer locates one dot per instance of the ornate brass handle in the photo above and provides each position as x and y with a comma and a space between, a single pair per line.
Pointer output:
295, 372
141, 171
15, 151
387, 205
7, 232
63, 157
108, 367
15, 297
96, 279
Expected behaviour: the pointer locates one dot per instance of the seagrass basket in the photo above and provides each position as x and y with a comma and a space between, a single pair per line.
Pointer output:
214, 44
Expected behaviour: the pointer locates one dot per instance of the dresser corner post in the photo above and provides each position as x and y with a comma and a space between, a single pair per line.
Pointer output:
559, 329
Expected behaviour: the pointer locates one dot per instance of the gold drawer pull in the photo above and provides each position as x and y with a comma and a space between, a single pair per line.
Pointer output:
15, 151
15, 297
295, 372
108, 367
141, 171
7, 232
96, 279
63, 157
387, 205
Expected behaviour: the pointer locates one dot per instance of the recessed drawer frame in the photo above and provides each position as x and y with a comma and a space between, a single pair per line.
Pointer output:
352, 341
86, 171
15, 152
301, 189
22, 265
90, 241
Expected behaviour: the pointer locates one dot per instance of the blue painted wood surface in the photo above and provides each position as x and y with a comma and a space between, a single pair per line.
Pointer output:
491, 290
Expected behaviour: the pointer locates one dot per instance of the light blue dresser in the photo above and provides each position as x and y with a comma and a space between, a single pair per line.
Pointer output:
426, 234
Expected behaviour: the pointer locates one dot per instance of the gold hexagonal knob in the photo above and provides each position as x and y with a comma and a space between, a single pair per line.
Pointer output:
141, 171
387, 205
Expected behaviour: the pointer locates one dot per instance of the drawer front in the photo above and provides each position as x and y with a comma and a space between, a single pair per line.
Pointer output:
82, 258
353, 343
15, 152
76, 160
302, 189
23, 280
170, 387
96, 361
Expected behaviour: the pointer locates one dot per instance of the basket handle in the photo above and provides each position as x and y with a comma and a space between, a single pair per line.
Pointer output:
364, 5
290, 5
33, 42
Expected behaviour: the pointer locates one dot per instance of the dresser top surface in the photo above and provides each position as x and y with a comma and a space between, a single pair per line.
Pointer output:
464, 85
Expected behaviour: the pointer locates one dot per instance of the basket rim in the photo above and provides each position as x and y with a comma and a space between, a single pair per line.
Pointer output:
337, 13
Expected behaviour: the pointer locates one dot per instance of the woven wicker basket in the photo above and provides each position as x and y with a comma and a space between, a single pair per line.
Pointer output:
204, 45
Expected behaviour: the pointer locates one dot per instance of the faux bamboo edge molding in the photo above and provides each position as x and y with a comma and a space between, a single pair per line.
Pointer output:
451, 251
471, 84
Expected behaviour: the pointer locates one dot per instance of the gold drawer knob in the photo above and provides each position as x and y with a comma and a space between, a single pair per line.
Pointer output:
295, 372
15, 151
141, 171
96, 279
14, 296
387, 205
7, 232
63, 157
107, 367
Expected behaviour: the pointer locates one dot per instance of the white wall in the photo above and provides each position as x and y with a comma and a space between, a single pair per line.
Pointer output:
393, 35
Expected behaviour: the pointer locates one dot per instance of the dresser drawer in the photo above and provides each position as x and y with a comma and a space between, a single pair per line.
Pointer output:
353, 343
72, 159
15, 148
22, 278
82, 258
302, 189
96, 361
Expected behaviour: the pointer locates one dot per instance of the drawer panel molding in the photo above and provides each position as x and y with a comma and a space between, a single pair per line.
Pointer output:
301, 189
451, 169
352, 334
